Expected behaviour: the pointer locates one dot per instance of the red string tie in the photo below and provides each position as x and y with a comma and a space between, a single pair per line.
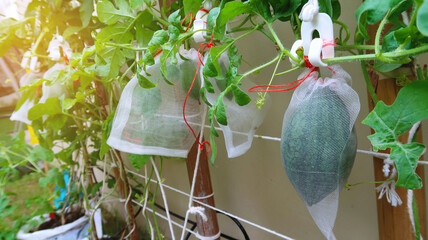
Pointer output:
201, 50
137, 140
295, 83
190, 23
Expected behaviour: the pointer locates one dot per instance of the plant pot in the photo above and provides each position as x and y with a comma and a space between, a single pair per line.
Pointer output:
75, 230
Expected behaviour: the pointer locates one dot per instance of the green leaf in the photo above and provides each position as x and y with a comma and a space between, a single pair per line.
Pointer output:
209, 69
138, 161
191, 6
106, 129
241, 98
136, 4
213, 148
220, 112
229, 12
406, 157
234, 58
385, 67
107, 13
159, 37
56, 122
175, 18
202, 93
390, 122
212, 17
144, 28
52, 106
372, 11
40, 153
283, 9
422, 18
95, 188
209, 86
148, 59
212, 67
174, 33
53, 177
85, 11
142, 80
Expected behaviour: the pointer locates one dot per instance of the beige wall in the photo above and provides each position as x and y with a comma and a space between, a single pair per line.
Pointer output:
255, 186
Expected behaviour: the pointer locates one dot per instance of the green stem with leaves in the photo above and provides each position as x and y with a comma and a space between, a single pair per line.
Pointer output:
369, 83
39, 40
162, 21
258, 68
279, 43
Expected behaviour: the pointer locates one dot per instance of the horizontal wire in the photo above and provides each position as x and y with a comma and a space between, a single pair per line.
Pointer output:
214, 208
276, 139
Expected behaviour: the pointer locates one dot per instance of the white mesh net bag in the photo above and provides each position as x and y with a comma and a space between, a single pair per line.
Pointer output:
318, 142
150, 121
55, 89
21, 114
243, 121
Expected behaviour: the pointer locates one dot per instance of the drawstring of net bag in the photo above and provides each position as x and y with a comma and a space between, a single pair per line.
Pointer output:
297, 82
201, 50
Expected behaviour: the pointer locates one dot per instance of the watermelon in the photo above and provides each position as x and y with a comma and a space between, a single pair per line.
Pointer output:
317, 146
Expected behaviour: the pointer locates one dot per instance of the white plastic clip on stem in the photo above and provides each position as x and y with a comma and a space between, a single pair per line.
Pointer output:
313, 48
201, 23
309, 11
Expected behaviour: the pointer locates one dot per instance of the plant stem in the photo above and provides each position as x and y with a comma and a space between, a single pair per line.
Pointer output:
82, 119
369, 83
379, 33
359, 183
289, 71
165, 23
236, 39
388, 55
126, 46
240, 29
242, 23
262, 30
281, 47
126, 72
258, 68
273, 74
38, 41
357, 47
344, 26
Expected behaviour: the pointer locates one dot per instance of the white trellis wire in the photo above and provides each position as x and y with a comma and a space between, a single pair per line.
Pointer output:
196, 199
213, 208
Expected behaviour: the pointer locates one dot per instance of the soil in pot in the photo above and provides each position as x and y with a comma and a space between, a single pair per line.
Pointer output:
55, 220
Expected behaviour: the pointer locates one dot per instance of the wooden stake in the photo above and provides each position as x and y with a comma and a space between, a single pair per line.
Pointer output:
394, 222
203, 188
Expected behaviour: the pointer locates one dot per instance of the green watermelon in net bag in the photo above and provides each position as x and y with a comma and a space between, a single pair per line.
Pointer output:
319, 143
149, 121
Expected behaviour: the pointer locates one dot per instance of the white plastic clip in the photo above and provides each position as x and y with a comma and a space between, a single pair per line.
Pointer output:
200, 23
313, 48
309, 11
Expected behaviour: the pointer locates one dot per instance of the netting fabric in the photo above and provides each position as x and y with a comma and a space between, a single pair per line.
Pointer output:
150, 121
48, 91
21, 114
318, 142
243, 121
55, 89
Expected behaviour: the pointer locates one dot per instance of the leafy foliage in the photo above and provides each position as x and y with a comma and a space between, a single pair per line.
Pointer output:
390, 122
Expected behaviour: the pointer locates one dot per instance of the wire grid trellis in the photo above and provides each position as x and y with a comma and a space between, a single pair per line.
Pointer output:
197, 200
